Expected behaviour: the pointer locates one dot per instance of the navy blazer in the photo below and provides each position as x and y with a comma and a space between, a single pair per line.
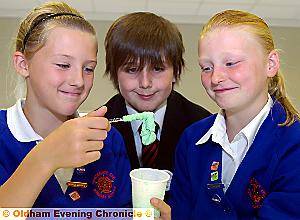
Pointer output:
265, 186
180, 113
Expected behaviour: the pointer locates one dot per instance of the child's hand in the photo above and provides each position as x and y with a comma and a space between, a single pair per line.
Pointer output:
164, 208
76, 142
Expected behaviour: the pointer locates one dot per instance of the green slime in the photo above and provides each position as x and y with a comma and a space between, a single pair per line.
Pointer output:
148, 125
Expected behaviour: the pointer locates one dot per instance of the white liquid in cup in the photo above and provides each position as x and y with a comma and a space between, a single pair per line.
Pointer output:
146, 184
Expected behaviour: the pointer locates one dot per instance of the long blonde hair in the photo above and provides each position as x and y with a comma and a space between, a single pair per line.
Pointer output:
34, 30
258, 27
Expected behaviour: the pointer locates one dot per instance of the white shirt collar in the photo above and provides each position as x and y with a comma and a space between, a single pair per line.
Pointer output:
252, 128
158, 115
19, 125
218, 129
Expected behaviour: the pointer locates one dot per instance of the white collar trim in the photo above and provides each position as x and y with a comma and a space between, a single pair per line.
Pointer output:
19, 125
249, 131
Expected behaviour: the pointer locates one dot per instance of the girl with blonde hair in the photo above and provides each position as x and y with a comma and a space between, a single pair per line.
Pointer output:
242, 163
50, 157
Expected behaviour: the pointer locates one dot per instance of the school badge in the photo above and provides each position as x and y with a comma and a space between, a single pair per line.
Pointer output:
74, 195
256, 193
214, 166
103, 183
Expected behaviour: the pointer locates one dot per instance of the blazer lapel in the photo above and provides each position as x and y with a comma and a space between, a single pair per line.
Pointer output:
172, 126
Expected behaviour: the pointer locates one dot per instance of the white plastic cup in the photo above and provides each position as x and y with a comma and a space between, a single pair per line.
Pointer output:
168, 187
146, 184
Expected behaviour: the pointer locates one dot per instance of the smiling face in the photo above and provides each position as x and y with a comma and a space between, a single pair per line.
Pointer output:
60, 74
148, 89
234, 69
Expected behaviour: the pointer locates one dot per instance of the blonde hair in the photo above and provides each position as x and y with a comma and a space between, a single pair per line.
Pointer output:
34, 29
258, 27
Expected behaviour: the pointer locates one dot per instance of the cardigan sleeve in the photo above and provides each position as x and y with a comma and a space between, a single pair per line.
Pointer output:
283, 201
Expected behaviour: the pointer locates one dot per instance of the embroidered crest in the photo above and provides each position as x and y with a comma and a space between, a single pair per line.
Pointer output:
256, 192
104, 184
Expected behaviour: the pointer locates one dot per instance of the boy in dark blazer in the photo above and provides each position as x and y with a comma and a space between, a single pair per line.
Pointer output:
144, 60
